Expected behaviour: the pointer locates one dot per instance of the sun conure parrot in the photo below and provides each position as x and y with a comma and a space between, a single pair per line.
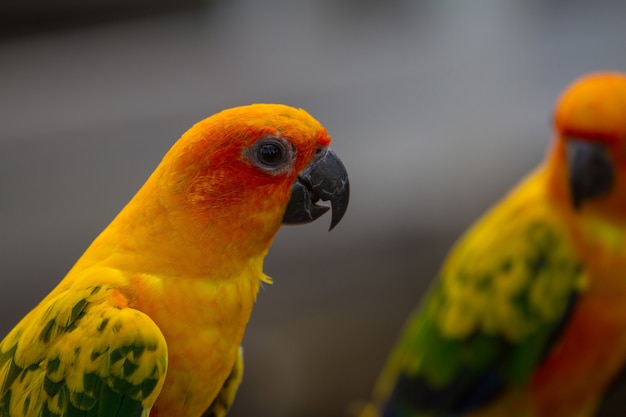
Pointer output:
149, 320
527, 316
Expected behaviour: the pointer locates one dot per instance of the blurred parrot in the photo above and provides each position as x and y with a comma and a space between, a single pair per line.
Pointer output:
149, 320
527, 316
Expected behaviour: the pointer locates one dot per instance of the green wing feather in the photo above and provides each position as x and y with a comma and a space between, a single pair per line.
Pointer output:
76, 354
225, 397
490, 317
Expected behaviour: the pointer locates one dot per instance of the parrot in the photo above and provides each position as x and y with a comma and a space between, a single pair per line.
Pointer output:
150, 319
526, 316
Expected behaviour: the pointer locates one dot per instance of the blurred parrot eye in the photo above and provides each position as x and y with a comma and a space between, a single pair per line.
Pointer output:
271, 154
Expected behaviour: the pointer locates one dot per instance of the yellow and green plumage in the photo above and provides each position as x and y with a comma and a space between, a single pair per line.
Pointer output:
149, 320
76, 353
527, 317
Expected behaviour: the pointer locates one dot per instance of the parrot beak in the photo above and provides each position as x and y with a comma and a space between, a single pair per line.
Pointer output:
591, 172
324, 179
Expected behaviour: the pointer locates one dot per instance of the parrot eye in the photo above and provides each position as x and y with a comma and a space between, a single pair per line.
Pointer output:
271, 154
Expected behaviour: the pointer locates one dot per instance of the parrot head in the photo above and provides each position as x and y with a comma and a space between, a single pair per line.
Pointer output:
247, 170
590, 121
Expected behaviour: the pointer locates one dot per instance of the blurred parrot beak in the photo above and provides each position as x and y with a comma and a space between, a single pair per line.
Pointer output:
324, 179
591, 172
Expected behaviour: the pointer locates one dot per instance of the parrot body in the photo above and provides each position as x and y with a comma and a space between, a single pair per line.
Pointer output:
149, 320
527, 317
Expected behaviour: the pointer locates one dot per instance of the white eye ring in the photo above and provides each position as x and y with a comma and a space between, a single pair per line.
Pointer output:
271, 154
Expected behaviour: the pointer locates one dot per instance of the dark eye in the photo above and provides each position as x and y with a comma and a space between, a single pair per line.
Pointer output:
271, 154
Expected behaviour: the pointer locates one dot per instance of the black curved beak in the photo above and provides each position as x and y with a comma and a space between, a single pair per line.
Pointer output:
324, 179
591, 171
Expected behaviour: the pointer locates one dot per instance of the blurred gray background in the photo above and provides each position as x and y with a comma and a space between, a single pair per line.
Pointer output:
436, 108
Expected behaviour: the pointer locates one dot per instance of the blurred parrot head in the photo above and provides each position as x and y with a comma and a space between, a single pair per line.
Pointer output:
590, 121
241, 173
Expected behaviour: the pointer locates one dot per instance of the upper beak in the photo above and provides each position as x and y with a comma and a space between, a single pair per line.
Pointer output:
591, 171
324, 179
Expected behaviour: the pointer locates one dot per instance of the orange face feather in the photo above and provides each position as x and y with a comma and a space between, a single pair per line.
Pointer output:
217, 180
594, 107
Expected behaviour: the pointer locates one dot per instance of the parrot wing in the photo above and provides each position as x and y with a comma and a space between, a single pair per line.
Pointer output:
498, 306
80, 353
225, 397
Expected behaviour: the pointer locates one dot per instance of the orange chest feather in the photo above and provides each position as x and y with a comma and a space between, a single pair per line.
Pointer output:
590, 352
203, 326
